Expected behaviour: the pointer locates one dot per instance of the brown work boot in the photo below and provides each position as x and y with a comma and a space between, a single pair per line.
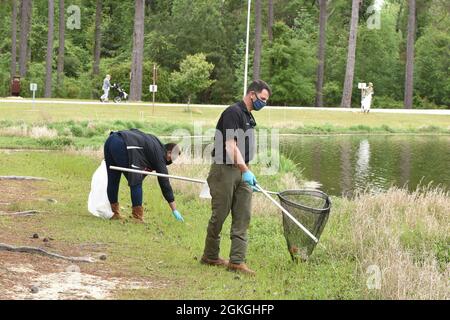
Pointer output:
116, 211
214, 262
138, 214
242, 267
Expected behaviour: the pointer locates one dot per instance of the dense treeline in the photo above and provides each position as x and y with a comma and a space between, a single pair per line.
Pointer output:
199, 47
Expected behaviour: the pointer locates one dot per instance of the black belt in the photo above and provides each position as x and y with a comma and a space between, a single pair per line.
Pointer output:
230, 164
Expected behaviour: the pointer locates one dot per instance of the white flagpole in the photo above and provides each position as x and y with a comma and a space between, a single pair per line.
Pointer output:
246, 46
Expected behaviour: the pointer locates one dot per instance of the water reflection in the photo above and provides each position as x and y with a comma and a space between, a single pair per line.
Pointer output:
345, 164
362, 164
346, 183
405, 163
316, 162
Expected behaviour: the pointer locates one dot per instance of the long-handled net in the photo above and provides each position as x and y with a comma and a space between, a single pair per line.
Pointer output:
311, 208
305, 213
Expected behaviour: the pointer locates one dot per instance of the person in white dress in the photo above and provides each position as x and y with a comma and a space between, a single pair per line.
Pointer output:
366, 99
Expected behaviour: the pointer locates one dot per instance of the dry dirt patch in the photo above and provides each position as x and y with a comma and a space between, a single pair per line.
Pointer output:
18, 191
32, 276
39, 278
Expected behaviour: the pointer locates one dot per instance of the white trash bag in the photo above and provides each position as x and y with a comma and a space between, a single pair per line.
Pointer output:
98, 202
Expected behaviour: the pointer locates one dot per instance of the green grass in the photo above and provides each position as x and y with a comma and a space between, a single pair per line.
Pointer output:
166, 119
167, 249
164, 249
81, 126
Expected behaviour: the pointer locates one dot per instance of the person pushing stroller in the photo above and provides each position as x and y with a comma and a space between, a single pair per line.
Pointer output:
106, 87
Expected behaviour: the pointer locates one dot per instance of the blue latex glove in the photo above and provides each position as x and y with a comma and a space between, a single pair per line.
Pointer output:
177, 215
250, 178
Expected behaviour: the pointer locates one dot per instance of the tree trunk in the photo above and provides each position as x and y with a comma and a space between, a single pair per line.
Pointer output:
349, 73
409, 76
321, 52
270, 22
399, 16
138, 52
98, 37
51, 27
62, 28
14, 39
258, 41
25, 25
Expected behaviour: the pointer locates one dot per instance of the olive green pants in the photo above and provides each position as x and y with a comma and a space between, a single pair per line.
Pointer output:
229, 193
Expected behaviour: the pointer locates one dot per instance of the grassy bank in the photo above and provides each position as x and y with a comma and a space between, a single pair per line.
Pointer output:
91, 121
84, 134
403, 234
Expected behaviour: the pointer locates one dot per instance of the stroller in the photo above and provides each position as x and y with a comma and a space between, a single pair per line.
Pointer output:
122, 95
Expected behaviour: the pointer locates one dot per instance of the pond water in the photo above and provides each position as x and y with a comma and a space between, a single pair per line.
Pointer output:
346, 163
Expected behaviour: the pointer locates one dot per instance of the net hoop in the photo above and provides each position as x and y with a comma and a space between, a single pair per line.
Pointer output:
310, 192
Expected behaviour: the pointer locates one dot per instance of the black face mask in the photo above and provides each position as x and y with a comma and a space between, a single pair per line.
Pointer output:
168, 162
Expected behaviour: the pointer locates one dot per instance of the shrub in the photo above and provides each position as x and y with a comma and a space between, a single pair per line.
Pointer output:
332, 92
385, 102
55, 143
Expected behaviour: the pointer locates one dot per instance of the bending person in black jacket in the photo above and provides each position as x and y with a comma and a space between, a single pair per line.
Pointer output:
137, 150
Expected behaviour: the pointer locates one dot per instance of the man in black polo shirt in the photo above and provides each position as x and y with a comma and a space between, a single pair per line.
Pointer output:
230, 179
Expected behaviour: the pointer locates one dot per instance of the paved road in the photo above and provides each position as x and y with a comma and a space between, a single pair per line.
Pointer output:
149, 104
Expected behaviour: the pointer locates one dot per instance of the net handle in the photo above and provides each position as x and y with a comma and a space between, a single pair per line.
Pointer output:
288, 214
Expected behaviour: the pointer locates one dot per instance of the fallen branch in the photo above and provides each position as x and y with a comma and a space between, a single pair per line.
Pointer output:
21, 213
35, 250
23, 178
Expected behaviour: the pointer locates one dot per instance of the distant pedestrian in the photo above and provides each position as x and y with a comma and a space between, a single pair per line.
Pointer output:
366, 98
106, 87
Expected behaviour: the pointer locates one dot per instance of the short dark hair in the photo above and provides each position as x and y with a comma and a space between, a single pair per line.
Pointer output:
258, 86
171, 146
